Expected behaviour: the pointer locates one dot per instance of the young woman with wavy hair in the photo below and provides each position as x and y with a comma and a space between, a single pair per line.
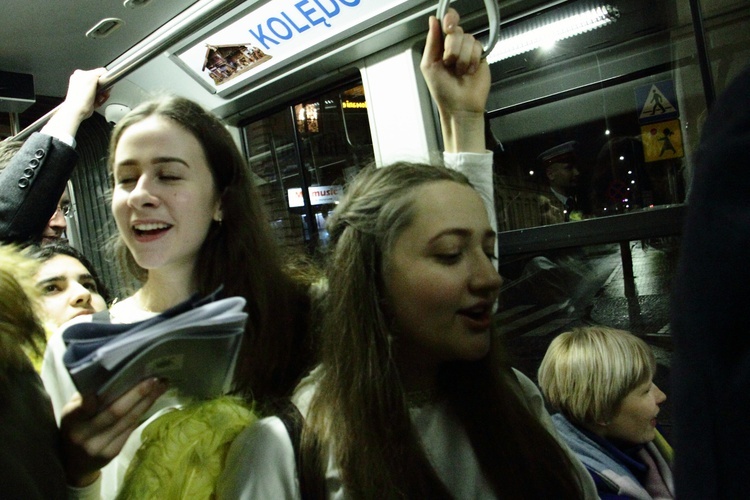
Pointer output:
413, 397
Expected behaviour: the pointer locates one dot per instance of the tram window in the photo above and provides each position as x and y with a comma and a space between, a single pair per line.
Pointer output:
617, 110
588, 102
315, 144
626, 286
601, 164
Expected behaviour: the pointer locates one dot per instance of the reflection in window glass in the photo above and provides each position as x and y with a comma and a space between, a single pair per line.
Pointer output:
590, 284
550, 292
606, 122
315, 145
599, 124
592, 168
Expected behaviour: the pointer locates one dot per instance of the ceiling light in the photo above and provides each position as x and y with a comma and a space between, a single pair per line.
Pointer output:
105, 27
114, 112
134, 4
530, 35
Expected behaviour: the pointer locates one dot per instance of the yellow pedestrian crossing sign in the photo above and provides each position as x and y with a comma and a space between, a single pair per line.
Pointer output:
656, 102
662, 141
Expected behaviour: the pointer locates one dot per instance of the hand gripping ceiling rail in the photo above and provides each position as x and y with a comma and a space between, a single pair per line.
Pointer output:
493, 16
193, 19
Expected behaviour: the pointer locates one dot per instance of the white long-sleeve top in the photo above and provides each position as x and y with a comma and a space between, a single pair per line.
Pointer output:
261, 461
57, 381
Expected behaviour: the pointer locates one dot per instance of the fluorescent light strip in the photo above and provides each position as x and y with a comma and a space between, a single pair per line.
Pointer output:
549, 33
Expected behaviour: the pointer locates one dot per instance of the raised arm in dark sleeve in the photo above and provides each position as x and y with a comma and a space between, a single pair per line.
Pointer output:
34, 179
31, 185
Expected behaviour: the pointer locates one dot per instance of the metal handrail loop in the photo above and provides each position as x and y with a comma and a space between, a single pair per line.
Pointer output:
493, 16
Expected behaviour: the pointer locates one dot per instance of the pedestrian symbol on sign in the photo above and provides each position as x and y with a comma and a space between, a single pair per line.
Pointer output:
656, 102
656, 105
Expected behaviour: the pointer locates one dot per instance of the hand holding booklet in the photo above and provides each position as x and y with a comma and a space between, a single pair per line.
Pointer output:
193, 346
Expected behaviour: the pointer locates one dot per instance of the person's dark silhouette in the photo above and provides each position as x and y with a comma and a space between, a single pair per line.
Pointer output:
666, 143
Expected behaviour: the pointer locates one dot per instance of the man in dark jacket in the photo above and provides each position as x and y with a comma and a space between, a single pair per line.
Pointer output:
33, 178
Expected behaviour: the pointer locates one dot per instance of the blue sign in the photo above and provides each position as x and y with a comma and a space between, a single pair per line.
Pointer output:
656, 102
277, 34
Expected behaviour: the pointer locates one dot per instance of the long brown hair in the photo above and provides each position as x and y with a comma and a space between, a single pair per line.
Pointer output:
359, 410
241, 254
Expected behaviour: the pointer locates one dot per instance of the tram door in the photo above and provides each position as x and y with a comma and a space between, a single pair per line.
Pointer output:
302, 156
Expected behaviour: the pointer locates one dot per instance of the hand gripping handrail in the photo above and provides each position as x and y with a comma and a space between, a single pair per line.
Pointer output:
493, 16
184, 24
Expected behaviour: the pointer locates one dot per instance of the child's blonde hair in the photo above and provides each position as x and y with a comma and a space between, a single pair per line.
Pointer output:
587, 372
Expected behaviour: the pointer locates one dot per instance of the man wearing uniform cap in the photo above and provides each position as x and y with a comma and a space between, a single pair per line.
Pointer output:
554, 277
560, 166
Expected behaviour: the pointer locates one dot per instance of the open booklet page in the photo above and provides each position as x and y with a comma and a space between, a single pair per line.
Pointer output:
193, 346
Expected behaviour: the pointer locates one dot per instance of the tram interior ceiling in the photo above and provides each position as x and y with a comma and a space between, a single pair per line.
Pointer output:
630, 97
16, 91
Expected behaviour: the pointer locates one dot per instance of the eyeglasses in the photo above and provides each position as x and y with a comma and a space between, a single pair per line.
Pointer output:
65, 208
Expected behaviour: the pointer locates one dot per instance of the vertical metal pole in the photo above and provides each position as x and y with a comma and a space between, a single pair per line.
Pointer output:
628, 277
700, 41
15, 123
312, 223
631, 293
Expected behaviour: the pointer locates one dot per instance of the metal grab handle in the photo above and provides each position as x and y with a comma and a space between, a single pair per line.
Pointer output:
493, 16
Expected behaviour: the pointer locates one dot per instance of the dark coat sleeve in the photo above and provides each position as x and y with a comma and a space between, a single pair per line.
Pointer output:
711, 311
31, 185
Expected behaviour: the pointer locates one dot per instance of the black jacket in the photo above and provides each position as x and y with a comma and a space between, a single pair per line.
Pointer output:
711, 312
31, 185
